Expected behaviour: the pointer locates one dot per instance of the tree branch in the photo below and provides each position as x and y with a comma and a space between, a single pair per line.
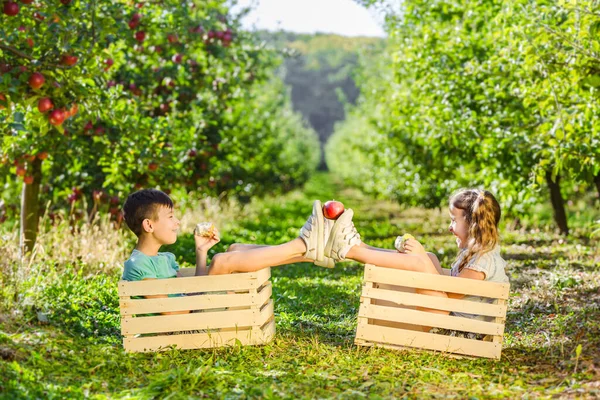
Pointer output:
16, 52
575, 45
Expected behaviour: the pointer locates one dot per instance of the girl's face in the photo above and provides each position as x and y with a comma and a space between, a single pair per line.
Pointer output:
459, 227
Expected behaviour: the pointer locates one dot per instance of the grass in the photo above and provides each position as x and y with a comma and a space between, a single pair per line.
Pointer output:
551, 347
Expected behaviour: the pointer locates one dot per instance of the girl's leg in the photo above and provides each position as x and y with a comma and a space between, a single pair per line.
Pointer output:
418, 262
251, 259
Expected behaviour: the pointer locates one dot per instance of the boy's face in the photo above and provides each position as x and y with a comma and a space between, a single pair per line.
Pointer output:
459, 227
165, 226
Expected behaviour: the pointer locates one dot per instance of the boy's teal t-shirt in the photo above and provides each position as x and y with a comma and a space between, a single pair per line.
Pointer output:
141, 266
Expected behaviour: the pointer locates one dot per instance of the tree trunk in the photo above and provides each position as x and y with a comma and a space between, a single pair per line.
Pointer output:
558, 204
30, 208
597, 182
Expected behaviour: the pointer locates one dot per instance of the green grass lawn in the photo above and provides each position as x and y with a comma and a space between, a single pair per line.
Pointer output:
551, 345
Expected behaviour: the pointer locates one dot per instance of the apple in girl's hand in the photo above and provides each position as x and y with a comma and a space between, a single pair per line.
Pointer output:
333, 209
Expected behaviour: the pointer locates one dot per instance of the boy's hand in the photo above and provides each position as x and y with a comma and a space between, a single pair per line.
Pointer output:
413, 246
205, 243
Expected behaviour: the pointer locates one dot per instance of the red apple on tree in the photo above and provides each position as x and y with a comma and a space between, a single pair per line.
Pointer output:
152, 166
109, 63
28, 179
333, 209
11, 8
69, 60
57, 117
140, 36
45, 104
36, 80
42, 155
21, 171
177, 58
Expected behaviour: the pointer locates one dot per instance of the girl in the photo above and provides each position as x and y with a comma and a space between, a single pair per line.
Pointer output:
475, 215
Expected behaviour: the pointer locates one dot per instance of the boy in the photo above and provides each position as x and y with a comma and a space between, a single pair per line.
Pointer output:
149, 214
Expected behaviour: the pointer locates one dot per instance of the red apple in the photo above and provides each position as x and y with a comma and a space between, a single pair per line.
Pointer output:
57, 117
153, 166
140, 36
45, 104
172, 38
11, 8
28, 179
333, 209
42, 155
177, 58
30, 42
109, 63
192, 153
21, 171
69, 60
89, 126
36, 80
29, 157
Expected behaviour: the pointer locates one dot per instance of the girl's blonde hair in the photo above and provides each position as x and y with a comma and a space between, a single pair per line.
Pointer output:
482, 213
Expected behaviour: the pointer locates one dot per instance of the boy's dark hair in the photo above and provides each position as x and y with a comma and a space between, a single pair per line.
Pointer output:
144, 204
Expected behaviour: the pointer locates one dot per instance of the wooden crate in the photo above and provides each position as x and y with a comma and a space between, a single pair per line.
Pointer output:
244, 315
388, 316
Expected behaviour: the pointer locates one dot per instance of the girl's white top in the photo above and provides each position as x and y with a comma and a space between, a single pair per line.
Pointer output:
492, 265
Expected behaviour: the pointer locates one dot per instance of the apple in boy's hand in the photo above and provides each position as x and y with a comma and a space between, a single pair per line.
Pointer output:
333, 209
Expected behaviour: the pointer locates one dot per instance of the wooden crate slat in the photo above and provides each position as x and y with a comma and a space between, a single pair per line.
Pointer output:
263, 295
438, 303
130, 306
436, 282
265, 314
400, 337
212, 283
262, 276
200, 340
188, 322
425, 318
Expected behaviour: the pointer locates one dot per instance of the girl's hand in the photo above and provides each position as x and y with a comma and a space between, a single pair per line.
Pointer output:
205, 243
413, 246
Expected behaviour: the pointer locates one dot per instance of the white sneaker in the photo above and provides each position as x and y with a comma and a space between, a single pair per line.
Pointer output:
312, 233
343, 236
327, 262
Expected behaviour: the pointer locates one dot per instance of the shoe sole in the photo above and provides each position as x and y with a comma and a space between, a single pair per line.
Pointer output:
334, 231
325, 263
318, 209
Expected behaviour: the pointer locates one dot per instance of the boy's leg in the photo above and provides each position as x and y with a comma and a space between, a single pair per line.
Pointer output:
254, 259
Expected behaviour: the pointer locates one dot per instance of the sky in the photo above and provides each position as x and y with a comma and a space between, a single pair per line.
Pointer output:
343, 17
